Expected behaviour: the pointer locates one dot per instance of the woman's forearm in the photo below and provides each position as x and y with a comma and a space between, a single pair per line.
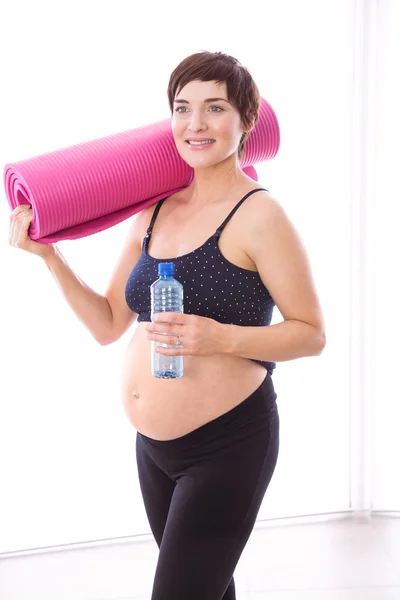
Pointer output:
274, 343
92, 309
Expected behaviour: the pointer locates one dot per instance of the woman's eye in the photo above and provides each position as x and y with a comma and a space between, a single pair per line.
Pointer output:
178, 110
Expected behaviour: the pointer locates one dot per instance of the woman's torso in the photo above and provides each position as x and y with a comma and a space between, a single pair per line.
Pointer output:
164, 409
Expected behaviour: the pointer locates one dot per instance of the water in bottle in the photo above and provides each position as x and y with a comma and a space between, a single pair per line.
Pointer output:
166, 296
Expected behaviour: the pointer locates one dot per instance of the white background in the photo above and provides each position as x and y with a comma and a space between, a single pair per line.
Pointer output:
73, 72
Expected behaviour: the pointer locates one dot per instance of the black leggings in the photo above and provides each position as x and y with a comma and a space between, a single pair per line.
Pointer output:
202, 493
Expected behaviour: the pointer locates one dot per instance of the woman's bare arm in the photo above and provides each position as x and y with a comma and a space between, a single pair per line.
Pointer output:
107, 317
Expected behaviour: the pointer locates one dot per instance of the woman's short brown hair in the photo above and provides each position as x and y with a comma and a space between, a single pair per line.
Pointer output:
243, 92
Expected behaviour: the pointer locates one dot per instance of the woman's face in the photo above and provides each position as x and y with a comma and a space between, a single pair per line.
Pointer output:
195, 116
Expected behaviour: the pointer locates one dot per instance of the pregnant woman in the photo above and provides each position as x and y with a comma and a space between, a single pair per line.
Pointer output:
206, 443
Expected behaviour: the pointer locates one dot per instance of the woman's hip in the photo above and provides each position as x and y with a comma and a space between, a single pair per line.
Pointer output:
247, 429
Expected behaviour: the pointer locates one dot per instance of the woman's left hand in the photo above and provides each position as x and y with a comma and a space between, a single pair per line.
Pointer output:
198, 336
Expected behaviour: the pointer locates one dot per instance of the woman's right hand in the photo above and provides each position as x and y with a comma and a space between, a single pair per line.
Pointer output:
20, 221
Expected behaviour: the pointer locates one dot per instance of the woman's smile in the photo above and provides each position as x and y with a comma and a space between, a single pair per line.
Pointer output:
199, 145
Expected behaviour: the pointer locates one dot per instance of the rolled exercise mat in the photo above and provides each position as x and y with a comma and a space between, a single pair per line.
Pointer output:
83, 189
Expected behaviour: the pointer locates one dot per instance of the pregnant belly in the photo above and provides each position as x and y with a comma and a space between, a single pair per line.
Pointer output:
164, 409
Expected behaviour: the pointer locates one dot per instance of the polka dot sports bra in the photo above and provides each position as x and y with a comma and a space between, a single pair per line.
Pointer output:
213, 286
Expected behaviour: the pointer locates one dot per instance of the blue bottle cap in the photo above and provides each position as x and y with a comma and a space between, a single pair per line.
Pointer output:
166, 268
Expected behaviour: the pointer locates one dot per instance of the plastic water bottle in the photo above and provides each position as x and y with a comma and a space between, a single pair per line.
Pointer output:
166, 296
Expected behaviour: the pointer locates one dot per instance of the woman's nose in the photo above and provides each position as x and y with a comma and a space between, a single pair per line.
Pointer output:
196, 122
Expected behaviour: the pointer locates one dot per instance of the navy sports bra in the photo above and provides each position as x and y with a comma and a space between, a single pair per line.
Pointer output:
213, 286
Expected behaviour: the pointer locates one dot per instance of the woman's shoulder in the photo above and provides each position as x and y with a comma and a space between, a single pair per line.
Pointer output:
258, 212
258, 203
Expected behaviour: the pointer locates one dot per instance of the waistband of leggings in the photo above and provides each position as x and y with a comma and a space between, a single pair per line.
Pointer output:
264, 397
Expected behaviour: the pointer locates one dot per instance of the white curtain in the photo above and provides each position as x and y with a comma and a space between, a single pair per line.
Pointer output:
76, 72
385, 253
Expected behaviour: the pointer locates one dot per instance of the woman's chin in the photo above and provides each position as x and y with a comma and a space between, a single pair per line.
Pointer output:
197, 160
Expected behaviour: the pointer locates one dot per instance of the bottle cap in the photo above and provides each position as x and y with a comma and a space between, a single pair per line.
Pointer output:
166, 268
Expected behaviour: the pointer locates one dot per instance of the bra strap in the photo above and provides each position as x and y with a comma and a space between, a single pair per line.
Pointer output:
154, 217
220, 228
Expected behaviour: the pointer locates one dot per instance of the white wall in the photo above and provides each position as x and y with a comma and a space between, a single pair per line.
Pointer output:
80, 71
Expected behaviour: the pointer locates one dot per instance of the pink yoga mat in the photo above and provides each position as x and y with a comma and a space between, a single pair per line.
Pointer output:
86, 188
